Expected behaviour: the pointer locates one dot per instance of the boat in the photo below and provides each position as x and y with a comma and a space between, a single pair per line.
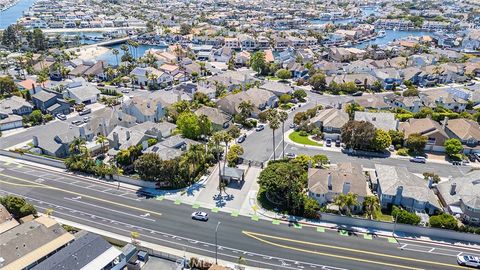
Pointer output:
395, 28
381, 34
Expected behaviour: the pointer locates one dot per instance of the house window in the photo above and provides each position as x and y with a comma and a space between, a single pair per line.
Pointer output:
431, 140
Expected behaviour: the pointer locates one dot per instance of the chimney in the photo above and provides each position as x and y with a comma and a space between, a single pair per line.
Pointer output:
103, 127
453, 189
144, 145
127, 134
116, 142
35, 141
329, 181
445, 123
346, 188
398, 195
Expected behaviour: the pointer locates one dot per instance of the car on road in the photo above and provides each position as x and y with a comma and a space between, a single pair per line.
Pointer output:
471, 157
418, 159
84, 112
337, 143
260, 128
328, 142
292, 126
290, 155
200, 216
86, 119
77, 122
125, 91
477, 156
61, 116
242, 138
357, 94
468, 260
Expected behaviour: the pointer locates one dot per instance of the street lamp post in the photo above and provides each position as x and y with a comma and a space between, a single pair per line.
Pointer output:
216, 243
394, 225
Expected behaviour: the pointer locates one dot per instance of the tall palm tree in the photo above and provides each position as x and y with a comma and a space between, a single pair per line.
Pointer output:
152, 77
101, 140
77, 146
115, 52
246, 108
346, 201
282, 117
371, 205
274, 123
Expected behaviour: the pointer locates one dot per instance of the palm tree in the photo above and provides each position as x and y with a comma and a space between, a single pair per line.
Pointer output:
101, 140
77, 146
274, 123
282, 117
346, 201
115, 52
371, 205
246, 108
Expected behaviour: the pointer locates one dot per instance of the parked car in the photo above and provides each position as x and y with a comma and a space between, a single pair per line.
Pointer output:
477, 156
125, 91
337, 143
200, 216
391, 148
290, 155
260, 128
84, 112
328, 142
357, 94
471, 157
468, 260
418, 159
242, 138
77, 122
61, 116
86, 119
292, 126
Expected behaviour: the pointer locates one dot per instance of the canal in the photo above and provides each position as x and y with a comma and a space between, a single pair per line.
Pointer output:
11, 15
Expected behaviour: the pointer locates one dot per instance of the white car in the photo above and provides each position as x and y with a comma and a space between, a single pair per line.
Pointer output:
61, 116
418, 159
200, 216
468, 260
290, 155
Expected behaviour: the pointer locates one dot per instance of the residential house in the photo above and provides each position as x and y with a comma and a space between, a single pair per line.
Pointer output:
452, 99
426, 127
81, 91
461, 196
373, 102
123, 137
232, 43
466, 131
277, 88
261, 100
330, 121
11, 111
324, 185
219, 119
51, 103
170, 147
232, 79
339, 54
88, 251
381, 120
143, 76
410, 103
397, 186
7, 222
55, 140
27, 244
29, 85
145, 108
222, 54
104, 120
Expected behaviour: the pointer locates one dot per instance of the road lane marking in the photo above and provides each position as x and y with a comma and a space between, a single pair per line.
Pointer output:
320, 229
109, 209
259, 237
80, 194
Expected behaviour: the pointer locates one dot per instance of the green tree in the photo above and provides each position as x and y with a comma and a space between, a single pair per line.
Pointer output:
115, 52
285, 98
397, 137
233, 153
148, 166
283, 74
318, 81
299, 118
185, 29
300, 95
39, 40
258, 63
453, 146
35, 117
320, 160
444, 221
346, 202
371, 206
7, 85
205, 125
17, 206
416, 142
381, 140
353, 107
102, 140
246, 108
405, 217
188, 124
358, 134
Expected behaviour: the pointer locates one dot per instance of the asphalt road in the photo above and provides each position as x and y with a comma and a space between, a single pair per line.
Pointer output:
260, 243
258, 146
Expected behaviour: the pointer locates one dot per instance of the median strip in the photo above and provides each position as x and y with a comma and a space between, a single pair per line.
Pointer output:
178, 202
215, 209
367, 236
255, 218
159, 198
297, 225
276, 222
234, 213
196, 206
343, 233
320, 229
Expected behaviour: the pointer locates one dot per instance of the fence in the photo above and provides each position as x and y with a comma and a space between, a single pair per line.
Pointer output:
34, 158
433, 233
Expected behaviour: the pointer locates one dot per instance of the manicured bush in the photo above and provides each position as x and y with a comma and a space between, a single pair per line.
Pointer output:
402, 152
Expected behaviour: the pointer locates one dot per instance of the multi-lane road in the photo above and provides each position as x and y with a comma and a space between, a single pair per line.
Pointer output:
260, 243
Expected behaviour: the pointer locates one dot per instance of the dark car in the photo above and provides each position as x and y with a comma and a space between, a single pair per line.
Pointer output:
471, 157
337, 143
328, 142
357, 94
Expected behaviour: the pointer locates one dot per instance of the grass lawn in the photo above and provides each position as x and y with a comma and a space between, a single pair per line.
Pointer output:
295, 136
383, 217
272, 78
